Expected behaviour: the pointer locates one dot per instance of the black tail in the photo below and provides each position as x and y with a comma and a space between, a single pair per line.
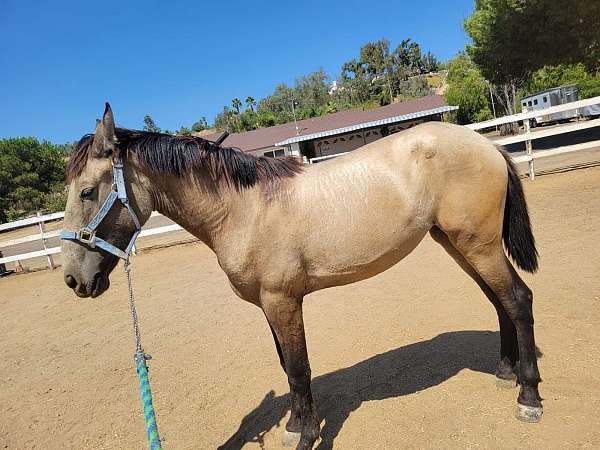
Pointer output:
516, 231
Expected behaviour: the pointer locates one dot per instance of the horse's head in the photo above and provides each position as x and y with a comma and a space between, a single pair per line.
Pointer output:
87, 264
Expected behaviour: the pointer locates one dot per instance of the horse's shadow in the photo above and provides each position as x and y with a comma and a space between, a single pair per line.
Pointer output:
398, 372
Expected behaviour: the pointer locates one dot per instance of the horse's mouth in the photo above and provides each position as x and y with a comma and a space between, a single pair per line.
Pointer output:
93, 289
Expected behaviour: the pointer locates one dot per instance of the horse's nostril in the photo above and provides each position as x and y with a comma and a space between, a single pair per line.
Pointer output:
70, 281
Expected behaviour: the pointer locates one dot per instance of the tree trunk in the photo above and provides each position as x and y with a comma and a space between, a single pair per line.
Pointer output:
508, 100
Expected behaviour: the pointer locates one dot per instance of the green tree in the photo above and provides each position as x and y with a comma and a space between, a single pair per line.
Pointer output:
67, 148
430, 63
513, 38
200, 125
228, 120
184, 131
355, 81
31, 177
312, 91
237, 104
251, 103
380, 76
249, 120
552, 76
410, 61
468, 90
278, 104
414, 87
149, 124
377, 77
266, 119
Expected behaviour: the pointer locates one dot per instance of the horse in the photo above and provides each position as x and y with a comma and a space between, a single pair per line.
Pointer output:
281, 229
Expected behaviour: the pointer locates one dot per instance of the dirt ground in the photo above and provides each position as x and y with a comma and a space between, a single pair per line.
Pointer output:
403, 360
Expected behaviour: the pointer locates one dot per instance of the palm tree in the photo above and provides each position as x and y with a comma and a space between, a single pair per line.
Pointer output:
251, 103
236, 103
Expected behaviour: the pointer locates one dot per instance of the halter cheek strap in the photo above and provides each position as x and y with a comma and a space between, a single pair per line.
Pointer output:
87, 234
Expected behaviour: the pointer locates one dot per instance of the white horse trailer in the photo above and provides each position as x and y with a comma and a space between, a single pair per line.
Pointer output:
556, 96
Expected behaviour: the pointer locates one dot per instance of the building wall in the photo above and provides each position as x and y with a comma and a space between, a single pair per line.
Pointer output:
271, 151
342, 143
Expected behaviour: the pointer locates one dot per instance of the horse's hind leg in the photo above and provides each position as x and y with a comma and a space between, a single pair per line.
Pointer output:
509, 352
284, 315
490, 262
278, 348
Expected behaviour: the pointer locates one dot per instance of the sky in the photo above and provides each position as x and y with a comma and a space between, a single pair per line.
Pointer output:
181, 60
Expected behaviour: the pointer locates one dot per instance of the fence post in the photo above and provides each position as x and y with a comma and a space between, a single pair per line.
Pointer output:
529, 147
42, 231
2, 265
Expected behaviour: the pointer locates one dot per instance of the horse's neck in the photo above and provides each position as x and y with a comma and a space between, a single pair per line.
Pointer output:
198, 206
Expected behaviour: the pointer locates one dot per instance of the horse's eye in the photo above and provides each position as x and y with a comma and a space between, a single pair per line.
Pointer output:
87, 192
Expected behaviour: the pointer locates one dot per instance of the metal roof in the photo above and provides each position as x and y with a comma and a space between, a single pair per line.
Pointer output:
356, 118
374, 123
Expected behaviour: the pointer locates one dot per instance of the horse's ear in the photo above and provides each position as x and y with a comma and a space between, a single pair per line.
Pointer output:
105, 136
108, 124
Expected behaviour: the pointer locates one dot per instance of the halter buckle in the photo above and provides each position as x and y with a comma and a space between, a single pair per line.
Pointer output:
87, 236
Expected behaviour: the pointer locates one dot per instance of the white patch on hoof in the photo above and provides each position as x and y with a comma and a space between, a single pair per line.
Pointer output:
290, 439
531, 414
503, 383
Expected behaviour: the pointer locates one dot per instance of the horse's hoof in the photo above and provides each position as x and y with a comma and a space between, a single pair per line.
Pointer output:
506, 383
290, 439
531, 414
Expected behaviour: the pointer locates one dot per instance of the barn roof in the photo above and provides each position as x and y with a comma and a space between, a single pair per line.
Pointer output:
336, 123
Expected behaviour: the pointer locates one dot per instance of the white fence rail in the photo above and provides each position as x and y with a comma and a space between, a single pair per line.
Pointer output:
534, 113
318, 159
44, 235
31, 221
528, 136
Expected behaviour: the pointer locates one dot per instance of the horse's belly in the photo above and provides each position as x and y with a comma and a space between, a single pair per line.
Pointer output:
361, 259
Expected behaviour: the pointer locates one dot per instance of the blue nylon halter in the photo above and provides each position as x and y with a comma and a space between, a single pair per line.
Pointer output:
87, 234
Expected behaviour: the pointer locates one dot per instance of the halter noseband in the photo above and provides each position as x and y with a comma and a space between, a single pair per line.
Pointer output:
87, 234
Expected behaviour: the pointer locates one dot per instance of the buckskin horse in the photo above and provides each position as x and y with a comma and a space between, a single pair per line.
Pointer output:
281, 229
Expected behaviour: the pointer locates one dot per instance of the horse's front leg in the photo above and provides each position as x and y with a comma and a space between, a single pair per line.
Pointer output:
285, 318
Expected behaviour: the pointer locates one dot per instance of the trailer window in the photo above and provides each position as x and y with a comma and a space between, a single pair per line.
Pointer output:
529, 103
545, 99
524, 103
535, 101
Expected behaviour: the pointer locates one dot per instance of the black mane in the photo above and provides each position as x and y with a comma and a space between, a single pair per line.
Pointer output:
178, 155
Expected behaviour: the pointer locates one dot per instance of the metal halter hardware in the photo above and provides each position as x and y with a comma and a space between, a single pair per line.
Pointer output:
87, 234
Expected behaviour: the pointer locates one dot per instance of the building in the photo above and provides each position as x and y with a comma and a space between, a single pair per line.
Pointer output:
336, 133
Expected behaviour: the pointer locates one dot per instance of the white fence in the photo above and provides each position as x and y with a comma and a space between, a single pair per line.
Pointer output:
43, 236
528, 136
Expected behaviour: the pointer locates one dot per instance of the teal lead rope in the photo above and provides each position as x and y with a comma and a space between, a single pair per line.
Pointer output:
142, 371
151, 427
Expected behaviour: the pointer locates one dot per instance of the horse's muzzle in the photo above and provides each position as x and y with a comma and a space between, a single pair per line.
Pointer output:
94, 288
